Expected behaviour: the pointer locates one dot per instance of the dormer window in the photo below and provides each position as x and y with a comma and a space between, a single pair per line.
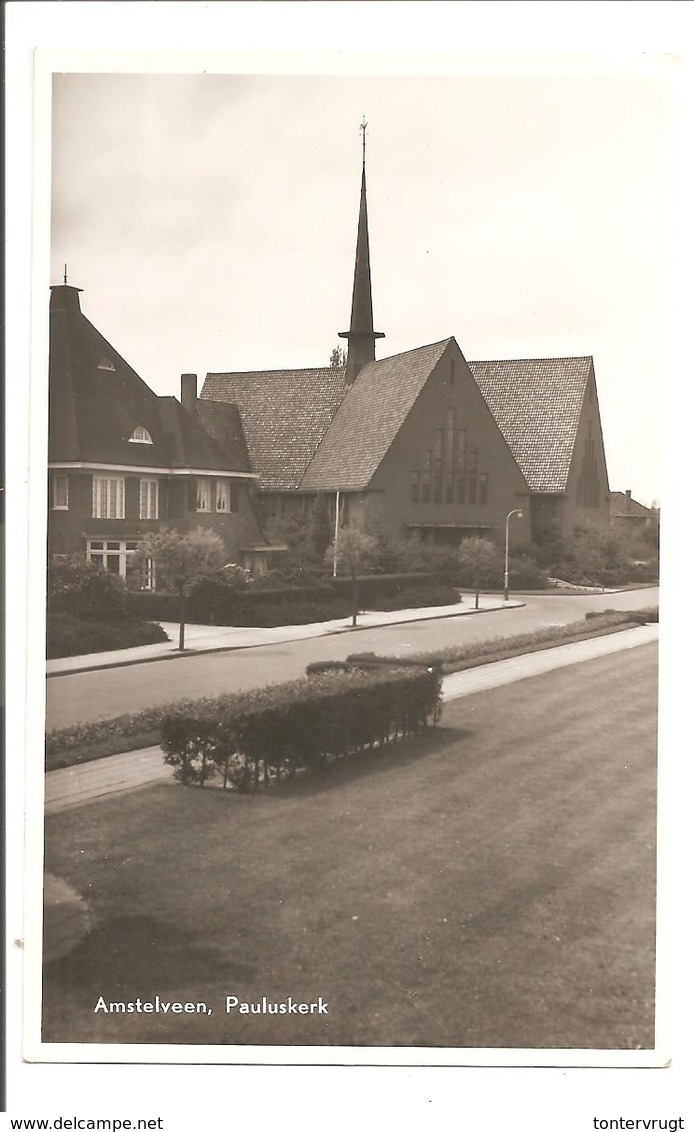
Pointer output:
140, 436
106, 363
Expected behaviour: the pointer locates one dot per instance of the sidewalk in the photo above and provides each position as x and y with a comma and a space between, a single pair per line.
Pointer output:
220, 638
89, 781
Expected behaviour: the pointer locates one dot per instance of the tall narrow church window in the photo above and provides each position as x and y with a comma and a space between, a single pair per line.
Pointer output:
450, 456
484, 488
414, 488
426, 477
438, 465
472, 478
461, 468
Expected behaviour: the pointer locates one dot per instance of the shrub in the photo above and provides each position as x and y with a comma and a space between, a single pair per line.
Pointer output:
76, 636
302, 724
82, 589
525, 574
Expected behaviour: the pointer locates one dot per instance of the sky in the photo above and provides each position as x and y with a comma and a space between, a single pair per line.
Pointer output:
211, 221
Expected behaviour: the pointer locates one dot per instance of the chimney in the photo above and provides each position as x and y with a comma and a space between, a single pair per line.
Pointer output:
628, 494
189, 391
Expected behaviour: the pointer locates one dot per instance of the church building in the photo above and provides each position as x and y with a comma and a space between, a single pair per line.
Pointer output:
424, 442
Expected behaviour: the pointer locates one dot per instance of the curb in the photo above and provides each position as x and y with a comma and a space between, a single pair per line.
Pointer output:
176, 655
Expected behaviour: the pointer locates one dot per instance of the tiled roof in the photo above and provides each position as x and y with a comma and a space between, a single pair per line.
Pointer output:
369, 419
622, 506
537, 405
93, 410
284, 414
223, 423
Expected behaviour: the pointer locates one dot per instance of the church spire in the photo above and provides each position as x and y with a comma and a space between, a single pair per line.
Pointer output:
361, 336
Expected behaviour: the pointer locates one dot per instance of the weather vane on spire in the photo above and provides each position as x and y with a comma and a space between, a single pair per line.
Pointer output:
65, 273
362, 127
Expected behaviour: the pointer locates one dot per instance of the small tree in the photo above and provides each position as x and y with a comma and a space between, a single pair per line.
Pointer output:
181, 561
354, 553
480, 560
338, 358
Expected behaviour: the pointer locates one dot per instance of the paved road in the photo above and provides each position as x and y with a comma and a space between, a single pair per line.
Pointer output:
75, 785
88, 696
490, 886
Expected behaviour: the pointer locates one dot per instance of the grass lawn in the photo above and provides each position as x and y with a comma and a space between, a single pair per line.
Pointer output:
490, 884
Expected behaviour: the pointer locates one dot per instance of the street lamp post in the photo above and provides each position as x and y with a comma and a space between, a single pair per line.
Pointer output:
520, 516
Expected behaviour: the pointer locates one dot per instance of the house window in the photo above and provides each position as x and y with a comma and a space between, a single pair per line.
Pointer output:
140, 436
61, 493
203, 496
149, 499
223, 495
108, 497
118, 557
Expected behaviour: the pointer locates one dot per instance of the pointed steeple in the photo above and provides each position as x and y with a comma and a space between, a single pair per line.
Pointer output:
361, 336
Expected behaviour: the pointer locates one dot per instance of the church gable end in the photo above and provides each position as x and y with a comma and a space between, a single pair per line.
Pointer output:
449, 472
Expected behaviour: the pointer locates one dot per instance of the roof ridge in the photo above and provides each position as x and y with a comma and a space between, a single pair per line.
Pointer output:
544, 358
261, 372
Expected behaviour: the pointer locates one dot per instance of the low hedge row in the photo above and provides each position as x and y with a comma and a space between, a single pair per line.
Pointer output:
418, 597
67, 635
635, 616
215, 603
453, 658
260, 735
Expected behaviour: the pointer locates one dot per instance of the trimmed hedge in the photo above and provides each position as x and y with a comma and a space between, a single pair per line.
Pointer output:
418, 597
634, 616
301, 725
67, 635
454, 658
215, 603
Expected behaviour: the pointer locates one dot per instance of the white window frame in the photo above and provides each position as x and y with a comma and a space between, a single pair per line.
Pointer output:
140, 435
203, 496
224, 496
108, 497
60, 478
101, 550
149, 499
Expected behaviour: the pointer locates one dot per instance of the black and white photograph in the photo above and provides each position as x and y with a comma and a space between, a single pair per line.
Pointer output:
348, 394
352, 561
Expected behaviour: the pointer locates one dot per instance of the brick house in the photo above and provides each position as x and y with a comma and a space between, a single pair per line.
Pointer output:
631, 516
424, 442
123, 461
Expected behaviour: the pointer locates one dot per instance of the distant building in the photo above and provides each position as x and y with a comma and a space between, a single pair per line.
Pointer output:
123, 461
631, 516
424, 442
